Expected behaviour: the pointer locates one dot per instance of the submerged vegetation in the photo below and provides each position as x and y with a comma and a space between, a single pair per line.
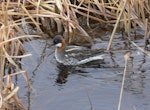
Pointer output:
24, 19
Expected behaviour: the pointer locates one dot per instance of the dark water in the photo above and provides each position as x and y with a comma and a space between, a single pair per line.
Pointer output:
92, 87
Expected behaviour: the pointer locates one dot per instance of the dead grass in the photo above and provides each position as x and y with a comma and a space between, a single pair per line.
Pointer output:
11, 52
23, 19
61, 16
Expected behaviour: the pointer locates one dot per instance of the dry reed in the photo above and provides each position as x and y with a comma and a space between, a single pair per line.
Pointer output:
64, 14
126, 58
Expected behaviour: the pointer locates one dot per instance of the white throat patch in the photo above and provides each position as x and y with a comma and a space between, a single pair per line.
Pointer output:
59, 45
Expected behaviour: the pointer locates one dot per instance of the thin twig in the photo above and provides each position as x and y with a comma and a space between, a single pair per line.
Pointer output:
114, 30
126, 57
90, 102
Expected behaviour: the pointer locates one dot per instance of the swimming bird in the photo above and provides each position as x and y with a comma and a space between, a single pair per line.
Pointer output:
74, 55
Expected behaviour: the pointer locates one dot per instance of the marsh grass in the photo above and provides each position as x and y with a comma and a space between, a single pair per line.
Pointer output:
62, 16
23, 19
11, 53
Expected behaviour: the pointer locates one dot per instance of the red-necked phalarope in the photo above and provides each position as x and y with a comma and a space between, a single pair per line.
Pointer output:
74, 55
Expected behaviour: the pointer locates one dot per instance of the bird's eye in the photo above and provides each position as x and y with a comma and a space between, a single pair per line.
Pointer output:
56, 41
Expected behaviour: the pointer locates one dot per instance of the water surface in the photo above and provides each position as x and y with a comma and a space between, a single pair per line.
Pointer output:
90, 87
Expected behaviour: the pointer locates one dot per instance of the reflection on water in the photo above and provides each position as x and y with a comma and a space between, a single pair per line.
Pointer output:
135, 75
63, 72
